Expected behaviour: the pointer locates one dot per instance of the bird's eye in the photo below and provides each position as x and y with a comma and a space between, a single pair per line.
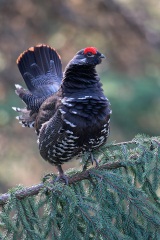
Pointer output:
89, 54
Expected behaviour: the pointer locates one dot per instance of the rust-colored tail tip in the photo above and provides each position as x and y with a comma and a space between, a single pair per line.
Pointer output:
32, 49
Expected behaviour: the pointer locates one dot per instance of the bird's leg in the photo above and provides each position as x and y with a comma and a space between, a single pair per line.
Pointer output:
61, 175
91, 157
86, 164
94, 160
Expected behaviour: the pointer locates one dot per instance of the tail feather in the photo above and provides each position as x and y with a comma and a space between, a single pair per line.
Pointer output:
41, 70
27, 117
36, 66
36, 71
33, 103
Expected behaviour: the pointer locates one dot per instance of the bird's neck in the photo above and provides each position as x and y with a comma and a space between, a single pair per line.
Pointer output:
80, 78
80, 74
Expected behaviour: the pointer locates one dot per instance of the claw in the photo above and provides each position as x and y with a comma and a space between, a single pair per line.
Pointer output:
61, 176
91, 157
94, 160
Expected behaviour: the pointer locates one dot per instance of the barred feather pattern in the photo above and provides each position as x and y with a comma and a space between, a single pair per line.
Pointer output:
70, 116
41, 70
79, 125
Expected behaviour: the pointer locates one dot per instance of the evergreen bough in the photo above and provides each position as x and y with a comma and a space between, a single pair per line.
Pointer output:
118, 200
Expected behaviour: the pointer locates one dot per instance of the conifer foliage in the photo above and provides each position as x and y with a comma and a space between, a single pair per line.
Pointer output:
117, 200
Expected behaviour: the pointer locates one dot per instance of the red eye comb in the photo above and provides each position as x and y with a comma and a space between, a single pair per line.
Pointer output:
93, 50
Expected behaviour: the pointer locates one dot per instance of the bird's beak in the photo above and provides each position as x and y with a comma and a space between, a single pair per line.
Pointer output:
102, 56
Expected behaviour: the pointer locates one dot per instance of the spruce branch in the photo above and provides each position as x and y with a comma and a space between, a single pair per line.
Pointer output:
132, 143
100, 231
34, 190
118, 200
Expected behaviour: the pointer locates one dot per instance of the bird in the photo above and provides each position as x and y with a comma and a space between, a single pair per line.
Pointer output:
68, 110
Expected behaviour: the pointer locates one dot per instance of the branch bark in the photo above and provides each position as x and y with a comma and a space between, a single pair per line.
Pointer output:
31, 191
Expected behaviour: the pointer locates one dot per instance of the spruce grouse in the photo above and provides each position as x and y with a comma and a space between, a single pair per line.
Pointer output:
68, 110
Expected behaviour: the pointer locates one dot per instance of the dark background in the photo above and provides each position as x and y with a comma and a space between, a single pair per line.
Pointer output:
126, 31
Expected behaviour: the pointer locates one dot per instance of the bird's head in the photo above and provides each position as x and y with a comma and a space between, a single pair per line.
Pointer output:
87, 56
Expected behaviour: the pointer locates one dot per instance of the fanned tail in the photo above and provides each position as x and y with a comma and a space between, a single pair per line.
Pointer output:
27, 118
41, 69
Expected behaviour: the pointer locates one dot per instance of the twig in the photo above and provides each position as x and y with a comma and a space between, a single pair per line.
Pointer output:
123, 143
133, 142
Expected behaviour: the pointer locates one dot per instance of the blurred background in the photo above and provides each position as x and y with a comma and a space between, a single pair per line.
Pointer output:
126, 31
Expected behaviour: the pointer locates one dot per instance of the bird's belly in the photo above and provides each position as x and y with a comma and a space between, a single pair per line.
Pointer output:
60, 151
64, 150
72, 140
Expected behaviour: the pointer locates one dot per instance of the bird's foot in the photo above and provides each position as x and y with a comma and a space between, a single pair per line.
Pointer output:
92, 159
61, 176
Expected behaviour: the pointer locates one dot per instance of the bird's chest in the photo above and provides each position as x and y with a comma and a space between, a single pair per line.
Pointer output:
85, 109
89, 119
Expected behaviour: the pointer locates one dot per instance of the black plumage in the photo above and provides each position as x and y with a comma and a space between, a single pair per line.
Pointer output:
70, 114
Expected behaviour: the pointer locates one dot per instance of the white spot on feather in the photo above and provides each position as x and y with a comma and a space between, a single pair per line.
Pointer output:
70, 132
83, 60
64, 101
73, 137
69, 123
104, 130
74, 112
85, 97
18, 86
63, 112
69, 99
16, 109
